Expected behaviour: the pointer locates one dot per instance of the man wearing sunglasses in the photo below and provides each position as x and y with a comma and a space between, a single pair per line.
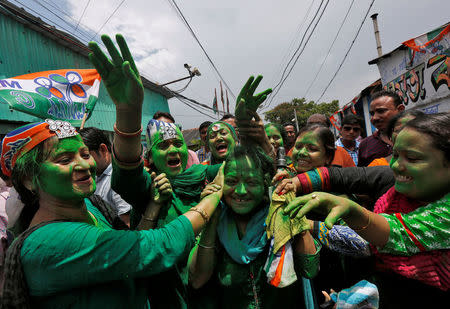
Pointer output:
350, 130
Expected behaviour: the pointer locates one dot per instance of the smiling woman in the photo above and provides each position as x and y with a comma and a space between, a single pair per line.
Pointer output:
313, 148
233, 248
410, 223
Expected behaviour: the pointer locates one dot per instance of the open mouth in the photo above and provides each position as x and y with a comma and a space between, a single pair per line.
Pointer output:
174, 162
240, 199
222, 147
86, 179
401, 178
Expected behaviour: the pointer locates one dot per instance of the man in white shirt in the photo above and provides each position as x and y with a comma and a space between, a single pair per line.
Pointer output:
100, 149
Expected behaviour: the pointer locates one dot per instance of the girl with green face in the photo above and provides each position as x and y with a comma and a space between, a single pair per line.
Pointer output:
274, 133
234, 248
409, 225
221, 139
314, 147
167, 153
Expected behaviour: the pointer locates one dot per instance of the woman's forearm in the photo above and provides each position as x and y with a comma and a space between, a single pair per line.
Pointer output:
201, 266
304, 243
206, 207
149, 219
128, 148
369, 225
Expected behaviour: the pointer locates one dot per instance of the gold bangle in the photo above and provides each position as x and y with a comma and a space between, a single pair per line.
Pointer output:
201, 212
364, 227
126, 134
206, 247
149, 219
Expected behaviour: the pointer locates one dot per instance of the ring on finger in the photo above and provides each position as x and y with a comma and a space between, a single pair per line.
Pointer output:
314, 196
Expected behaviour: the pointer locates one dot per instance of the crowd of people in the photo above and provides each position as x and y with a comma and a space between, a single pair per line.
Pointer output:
261, 216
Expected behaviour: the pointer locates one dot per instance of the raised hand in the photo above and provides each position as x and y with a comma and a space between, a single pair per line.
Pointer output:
120, 75
216, 186
246, 102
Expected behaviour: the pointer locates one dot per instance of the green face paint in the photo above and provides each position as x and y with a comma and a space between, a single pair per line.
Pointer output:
169, 156
421, 171
243, 187
274, 137
221, 142
69, 171
399, 126
308, 152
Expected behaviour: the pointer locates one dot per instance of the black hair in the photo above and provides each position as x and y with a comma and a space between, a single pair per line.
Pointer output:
437, 127
27, 168
290, 124
327, 120
352, 119
257, 155
227, 116
205, 124
387, 93
160, 114
411, 112
325, 136
93, 138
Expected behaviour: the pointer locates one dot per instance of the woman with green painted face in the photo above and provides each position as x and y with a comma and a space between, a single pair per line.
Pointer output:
229, 261
222, 140
167, 154
276, 135
410, 224
69, 251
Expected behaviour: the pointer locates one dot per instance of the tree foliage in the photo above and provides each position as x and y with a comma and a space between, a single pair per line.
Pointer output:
284, 112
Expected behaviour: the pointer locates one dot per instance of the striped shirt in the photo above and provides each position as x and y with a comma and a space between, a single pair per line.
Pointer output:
352, 153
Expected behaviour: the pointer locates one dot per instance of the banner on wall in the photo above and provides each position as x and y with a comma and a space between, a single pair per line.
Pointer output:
59, 94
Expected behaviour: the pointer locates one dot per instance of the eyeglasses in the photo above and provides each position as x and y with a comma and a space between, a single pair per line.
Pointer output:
348, 129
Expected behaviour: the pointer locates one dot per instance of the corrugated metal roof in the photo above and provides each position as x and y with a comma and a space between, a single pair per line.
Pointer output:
26, 47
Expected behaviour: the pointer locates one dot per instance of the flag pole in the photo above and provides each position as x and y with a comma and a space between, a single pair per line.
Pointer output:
221, 97
228, 101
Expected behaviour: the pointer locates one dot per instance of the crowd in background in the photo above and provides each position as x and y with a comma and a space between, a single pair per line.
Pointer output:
260, 216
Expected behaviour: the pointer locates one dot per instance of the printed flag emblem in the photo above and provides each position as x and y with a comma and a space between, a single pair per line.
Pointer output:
59, 95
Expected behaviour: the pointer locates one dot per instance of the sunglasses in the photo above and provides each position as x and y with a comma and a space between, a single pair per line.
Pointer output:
348, 129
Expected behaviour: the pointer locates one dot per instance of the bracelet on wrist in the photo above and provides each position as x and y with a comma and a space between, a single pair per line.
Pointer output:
206, 247
364, 227
201, 212
126, 134
149, 219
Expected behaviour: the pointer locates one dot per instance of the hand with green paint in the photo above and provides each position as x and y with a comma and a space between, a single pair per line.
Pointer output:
120, 75
216, 186
161, 188
246, 102
334, 207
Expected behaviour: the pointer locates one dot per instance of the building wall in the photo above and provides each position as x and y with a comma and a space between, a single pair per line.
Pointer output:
423, 82
24, 50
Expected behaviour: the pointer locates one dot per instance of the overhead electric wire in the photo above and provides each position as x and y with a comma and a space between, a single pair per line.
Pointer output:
329, 50
109, 17
300, 53
59, 17
297, 32
172, 2
300, 44
82, 14
348, 51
